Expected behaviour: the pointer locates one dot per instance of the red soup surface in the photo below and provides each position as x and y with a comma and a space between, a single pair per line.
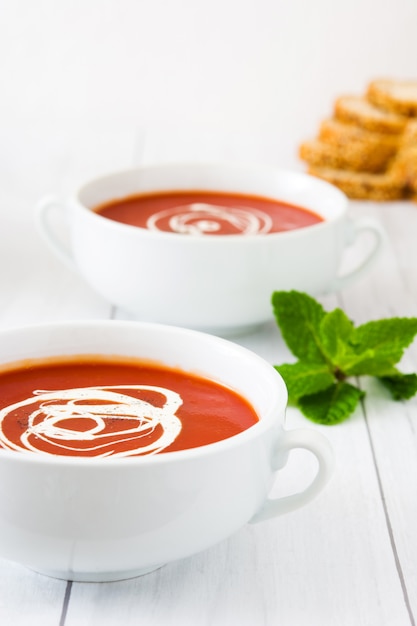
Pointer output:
100, 406
207, 213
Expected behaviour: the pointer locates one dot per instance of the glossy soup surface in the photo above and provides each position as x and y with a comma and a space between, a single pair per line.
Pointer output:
95, 406
208, 213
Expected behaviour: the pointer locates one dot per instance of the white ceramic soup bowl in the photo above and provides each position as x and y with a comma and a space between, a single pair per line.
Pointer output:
100, 519
219, 283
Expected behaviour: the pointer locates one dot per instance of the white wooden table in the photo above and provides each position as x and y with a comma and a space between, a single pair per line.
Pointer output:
347, 559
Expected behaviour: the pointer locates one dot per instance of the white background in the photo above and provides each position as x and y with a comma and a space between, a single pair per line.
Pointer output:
258, 73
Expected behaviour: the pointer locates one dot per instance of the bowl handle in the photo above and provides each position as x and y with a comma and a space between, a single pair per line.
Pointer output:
320, 447
44, 211
356, 226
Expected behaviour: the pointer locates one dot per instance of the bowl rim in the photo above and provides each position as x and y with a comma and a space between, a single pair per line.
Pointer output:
328, 188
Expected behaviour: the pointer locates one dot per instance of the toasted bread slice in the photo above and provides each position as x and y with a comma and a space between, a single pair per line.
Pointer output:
335, 132
393, 95
404, 167
353, 155
362, 186
409, 137
358, 110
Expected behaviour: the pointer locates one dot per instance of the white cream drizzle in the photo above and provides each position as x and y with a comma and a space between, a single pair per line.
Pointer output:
205, 219
47, 422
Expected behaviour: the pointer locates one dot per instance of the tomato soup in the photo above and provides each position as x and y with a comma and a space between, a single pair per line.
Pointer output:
108, 407
208, 213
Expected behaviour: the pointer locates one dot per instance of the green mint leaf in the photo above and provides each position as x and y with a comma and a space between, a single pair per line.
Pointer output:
401, 386
335, 332
377, 346
332, 405
330, 349
298, 317
366, 364
303, 378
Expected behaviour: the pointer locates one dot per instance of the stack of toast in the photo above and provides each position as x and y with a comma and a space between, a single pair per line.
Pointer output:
369, 147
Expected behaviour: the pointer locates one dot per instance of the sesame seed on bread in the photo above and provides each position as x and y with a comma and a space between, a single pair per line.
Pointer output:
339, 133
361, 185
353, 155
368, 149
358, 110
398, 97
409, 136
404, 166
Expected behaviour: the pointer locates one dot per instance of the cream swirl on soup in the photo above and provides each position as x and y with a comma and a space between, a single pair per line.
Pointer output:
129, 408
95, 418
205, 219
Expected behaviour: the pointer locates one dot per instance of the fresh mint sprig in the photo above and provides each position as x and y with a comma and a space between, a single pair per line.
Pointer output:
330, 350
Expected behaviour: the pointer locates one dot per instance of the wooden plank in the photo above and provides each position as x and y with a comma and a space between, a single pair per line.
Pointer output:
392, 425
29, 598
